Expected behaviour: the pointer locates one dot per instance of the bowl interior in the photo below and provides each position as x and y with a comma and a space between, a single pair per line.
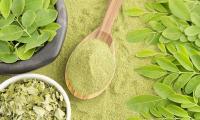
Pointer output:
41, 78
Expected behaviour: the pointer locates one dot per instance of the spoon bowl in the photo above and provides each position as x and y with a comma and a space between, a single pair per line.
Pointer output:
91, 36
102, 33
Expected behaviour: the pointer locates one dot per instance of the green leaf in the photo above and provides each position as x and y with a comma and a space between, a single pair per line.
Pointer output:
162, 47
36, 43
138, 35
171, 48
166, 64
45, 17
165, 112
183, 80
4, 48
188, 105
154, 111
179, 9
18, 7
195, 17
10, 33
151, 71
5, 7
192, 30
135, 11
194, 56
168, 21
46, 3
146, 53
28, 39
5, 22
153, 38
24, 55
143, 103
8, 58
192, 84
197, 116
194, 109
51, 28
163, 90
157, 26
184, 60
163, 40
183, 38
53, 2
172, 33
170, 78
177, 111
177, 98
33, 5
28, 18
197, 91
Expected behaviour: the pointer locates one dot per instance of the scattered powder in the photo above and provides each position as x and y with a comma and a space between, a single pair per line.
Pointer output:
91, 67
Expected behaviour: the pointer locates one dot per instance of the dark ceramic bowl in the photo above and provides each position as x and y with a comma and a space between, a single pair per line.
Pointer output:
47, 54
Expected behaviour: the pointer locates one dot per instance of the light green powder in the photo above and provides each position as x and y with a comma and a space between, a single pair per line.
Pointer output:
84, 17
91, 67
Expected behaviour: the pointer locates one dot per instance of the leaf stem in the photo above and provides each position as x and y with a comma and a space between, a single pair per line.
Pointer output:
24, 29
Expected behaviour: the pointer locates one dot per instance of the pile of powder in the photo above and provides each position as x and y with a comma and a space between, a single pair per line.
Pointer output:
91, 67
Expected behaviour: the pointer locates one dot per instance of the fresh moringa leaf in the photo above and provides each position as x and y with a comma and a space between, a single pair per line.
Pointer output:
192, 84
5, 22
151, 71
46, 3
172, 33
28, 18
5, 7
135, 11
157, 26
166, 64
195, 17
139, 35
143, 103
183, 80
184, 60
177, 111
177, 98
45, 17
179, 9
146, 53
37, 42
18, 7
192, 30
8, 58
169, 80
24, 55
33, 5
197, 91
163, 90
10, 33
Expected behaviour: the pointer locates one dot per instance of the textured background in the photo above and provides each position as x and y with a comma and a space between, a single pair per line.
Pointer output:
84, 17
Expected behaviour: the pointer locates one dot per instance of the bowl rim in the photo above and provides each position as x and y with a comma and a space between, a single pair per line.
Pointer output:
43, 78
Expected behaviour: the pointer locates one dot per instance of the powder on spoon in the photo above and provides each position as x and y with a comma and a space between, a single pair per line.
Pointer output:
91, 67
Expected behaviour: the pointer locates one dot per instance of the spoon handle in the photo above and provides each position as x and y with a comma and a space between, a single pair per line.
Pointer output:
110, 17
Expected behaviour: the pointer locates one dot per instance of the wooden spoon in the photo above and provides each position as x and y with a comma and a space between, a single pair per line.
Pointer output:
102, 33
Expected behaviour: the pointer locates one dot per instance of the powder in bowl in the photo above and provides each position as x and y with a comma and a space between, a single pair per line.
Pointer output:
90, 67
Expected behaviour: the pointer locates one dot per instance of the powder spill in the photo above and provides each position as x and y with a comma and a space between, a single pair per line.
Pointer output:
91, 67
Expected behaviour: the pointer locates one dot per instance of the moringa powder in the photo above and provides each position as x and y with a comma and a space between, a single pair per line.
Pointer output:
91, 67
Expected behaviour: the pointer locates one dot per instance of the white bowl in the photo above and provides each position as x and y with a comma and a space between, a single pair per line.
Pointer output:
44, 79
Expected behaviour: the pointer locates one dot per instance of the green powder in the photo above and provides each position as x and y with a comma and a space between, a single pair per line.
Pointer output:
91, 67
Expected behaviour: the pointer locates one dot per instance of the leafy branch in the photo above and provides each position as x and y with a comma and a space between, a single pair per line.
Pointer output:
174, 27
